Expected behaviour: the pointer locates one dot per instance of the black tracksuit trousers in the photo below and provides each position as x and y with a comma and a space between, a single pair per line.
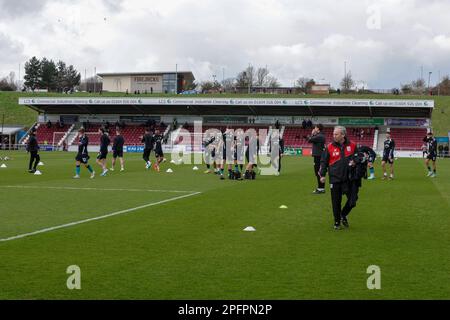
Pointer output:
34, 158
320, 185
350, 189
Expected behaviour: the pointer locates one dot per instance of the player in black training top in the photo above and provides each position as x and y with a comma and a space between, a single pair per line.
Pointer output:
117, 149
83, 155
101, 157
159, 139
388, 156
210, 153
147, 140
33, 149
227, 135
370, 156
251, 156
431, 153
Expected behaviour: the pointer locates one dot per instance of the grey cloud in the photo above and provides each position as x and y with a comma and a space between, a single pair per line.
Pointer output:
12, 9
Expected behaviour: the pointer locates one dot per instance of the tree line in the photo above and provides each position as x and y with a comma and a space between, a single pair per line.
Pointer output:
46, 74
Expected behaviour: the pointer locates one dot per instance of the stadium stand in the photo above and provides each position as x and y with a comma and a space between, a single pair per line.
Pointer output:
408, 138
294, 136
47, 136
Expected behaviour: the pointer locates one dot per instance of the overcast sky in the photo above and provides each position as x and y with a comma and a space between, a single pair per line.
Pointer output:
385, 42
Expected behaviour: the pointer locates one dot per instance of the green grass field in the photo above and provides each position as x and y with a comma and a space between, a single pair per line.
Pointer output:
194, 247
16, 114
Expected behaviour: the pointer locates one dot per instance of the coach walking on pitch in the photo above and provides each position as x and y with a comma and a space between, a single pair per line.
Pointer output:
33, 149
341, 161
317, 138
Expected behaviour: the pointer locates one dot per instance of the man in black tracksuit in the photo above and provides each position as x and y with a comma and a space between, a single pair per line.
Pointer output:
148, 141
33, 149
339, 160
104, 143
117, 149
317, 138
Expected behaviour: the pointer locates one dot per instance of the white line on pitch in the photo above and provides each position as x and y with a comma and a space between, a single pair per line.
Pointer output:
96, 218
96, 189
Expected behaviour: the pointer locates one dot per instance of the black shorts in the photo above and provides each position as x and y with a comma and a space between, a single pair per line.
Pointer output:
159, 154
102, 155
117, 154
147, 153
213, 153
386, 159
432, 156
83, 158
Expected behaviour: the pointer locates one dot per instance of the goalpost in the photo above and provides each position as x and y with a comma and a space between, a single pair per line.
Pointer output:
57, 136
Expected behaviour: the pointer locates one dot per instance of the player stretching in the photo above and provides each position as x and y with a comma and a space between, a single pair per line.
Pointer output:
388, 156
210, 154
371, 156
431, 153
82, 155
104, 143
117, 148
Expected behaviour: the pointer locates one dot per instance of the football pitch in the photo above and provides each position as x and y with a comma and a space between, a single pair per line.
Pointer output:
146, 235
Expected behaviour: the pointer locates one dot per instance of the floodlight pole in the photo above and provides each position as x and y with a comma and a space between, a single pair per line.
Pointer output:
95, 79
429, 78
176, 78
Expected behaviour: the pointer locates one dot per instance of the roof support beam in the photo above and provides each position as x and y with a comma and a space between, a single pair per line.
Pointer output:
138, 109
86, 110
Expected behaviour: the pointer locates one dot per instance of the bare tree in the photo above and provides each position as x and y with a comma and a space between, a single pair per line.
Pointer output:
262, 75
272, 82
9, 83
304, 83
418, 86
229, 84
347, 82
246, 78
208, 86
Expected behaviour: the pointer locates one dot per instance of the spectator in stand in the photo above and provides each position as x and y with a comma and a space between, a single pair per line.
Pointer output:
49, 124
277, 125
304, 124
361, 134
309, 124
446, 154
